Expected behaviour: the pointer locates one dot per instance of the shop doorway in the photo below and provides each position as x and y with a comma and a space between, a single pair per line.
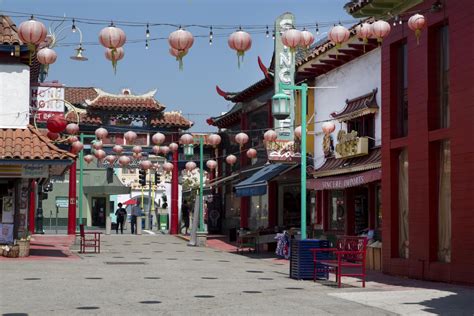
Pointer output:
361, 209
98, 211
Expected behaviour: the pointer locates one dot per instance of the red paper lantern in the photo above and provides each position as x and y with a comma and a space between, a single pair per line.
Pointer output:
241, 42
56, 124
291, 38
251, 153
88, 158
52, 136
76, 147
416, 23
117, 149
72, 139
298, 132
110, 159
328, 127
156, 150
137, 149
211, 164
165, 150
97, 145
32, 32
101, 133
114, 55
214, 139
190, 165
72, 128
364, 31
99, 154
173, 147
130, 137
307, 38
167, 166
46, 56
146, 164
231, 159
158, 138
186, 139
338, 35
380, 29
124, 161
112, 37
181, 40
270, 136
241, 138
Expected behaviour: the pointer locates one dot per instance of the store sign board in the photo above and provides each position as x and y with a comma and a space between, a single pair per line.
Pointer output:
349, 145
283, 150
342, 182
62, 202
28, 171
47, 101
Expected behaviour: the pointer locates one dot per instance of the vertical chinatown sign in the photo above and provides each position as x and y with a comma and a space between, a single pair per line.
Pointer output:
47, 100
283, 148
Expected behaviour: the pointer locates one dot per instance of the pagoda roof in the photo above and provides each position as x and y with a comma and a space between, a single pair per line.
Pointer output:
378, 8
227, 119
360, 106
8, 32
125, 102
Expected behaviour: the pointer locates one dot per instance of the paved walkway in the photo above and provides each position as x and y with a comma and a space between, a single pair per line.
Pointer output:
161, 275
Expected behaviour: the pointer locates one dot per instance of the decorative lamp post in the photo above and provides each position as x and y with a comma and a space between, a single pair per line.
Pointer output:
281, 105
282, 98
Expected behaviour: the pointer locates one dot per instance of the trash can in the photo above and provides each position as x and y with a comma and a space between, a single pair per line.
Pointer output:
233, 234
163, 222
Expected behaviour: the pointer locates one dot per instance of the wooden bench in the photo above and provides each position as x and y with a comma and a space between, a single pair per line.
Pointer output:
349, 253
88, 240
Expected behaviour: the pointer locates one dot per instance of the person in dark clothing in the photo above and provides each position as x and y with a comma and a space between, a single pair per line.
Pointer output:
121, 214
185, 217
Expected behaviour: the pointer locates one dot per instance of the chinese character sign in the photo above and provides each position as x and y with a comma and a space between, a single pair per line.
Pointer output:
47, 101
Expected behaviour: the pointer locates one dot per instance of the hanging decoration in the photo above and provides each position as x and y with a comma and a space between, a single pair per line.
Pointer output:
328, 127
117, 149
241, 139
364, 31
186, 139
298, 132
416, 23
124, 161
231, 160
178, 55
252, 153
156, 149
211, 164
146, 164
270, 136
52, 136
99, 154
130, 137
76, 147
112, 38
88, 158
158, 138
168, 166
380, 29
56, 124
214, 140
97, 144
72, 128
241, 42
46, 56
173, 147
137, 149
165, 150
101, 133
110, 159
190, 165
32, 33
72, 139
307, 38
114, 55
180, 40
339, 35
292, 38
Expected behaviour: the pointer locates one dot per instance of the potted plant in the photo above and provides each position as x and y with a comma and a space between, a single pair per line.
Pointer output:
24, 244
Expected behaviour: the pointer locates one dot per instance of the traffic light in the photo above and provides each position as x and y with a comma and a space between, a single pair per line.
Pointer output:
142, 177
157, 178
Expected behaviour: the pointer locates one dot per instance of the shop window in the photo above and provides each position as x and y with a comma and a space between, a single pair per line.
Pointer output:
403, 234
337, 210
400, 90
444, 202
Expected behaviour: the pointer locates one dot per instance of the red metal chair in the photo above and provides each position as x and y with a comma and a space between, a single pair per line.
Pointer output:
350, 252
89, 240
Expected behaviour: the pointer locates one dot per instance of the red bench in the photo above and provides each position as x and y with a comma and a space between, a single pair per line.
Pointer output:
88, 240
350, 252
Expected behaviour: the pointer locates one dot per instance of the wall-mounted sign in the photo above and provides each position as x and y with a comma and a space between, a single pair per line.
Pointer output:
46, 101
284, 148
350, 145
30, 171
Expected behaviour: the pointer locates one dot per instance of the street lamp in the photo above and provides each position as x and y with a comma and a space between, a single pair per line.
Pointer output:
281, 108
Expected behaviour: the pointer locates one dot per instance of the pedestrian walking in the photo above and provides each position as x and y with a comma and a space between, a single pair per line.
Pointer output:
136, 211
121, 214
185, 217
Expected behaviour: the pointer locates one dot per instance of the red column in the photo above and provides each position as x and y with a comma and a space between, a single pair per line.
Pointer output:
174, 223
31, 215
71, 214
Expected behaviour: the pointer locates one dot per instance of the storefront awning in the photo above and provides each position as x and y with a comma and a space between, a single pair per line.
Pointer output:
345, 181
257, 183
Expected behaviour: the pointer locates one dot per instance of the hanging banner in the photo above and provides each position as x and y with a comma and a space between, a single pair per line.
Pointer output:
283, 149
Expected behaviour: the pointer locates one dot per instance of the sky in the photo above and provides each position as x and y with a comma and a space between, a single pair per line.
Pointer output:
192, 90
